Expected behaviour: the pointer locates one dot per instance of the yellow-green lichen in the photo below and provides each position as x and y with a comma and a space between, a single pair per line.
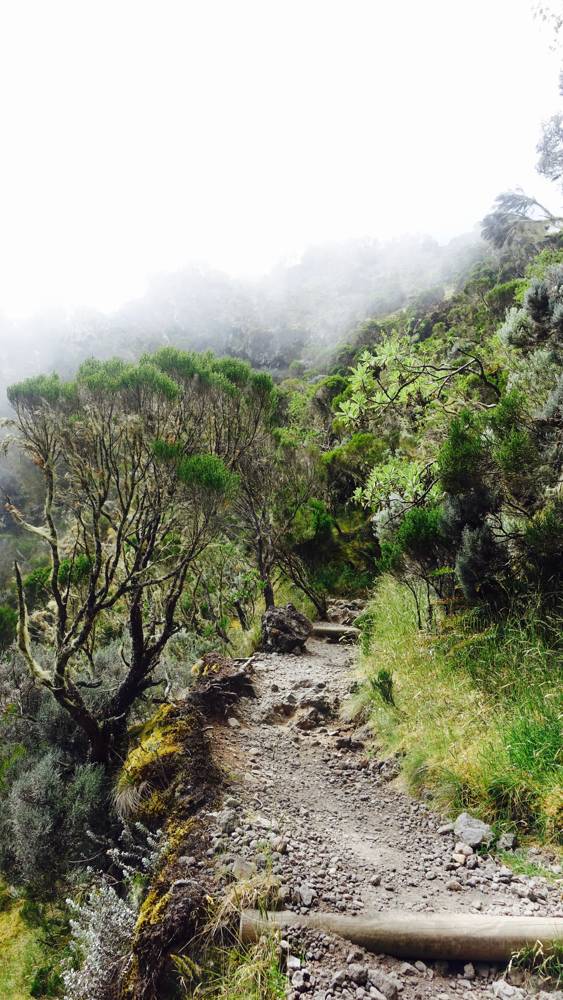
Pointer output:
162, 750
152, 908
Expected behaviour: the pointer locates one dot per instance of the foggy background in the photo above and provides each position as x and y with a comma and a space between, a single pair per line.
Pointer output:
241, 175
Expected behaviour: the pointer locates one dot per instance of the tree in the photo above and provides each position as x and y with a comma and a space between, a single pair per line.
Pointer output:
276, 481
519, 223
137, 467
550, 149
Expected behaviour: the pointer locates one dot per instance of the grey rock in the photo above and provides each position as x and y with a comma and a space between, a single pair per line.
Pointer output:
305, 895
506, 842
226, 820
469, 971
356, 955
339, 978
279, 844
472, 831
285, 630
242, 869
358, 973
386, 984
406, 969
504, 991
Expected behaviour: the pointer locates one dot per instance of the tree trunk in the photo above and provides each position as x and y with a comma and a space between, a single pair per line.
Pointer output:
269, 599
241, 613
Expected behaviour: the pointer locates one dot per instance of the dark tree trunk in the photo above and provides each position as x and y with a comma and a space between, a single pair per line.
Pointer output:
269, 600
241, 613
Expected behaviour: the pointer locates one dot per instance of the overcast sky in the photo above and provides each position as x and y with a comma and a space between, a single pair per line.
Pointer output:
137, 135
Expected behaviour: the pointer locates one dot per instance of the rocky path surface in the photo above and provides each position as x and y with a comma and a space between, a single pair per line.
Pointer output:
312, 803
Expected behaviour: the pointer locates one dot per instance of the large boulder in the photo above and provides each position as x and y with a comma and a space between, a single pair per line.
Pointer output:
472, 831
285, 630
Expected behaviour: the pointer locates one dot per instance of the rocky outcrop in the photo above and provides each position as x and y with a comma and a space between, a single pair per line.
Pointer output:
285, 630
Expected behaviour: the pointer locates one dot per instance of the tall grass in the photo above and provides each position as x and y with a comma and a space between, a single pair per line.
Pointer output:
477, 709
247, 973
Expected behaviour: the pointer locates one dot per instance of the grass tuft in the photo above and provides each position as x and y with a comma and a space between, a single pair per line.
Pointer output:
246, 973
547, 965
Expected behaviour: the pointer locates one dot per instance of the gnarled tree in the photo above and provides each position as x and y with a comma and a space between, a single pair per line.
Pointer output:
137, 465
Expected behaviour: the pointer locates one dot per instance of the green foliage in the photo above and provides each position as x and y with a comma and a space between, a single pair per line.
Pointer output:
461, 456
251, 973
116, 376
515, 452
313, 522
543, 541
535, 741
207, 472
542, 264
502, 297
75, 570
41, 389
355, 456
382, 683
420, 531
394, 479
8, 622
545, 964
36, 585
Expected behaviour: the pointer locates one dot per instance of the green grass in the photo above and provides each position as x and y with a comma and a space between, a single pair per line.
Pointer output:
21, 952
33, 940
477, 709
547, 966
520, 864
241, 973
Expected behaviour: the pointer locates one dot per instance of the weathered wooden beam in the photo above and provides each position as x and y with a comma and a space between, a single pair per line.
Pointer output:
450, 936
333, 632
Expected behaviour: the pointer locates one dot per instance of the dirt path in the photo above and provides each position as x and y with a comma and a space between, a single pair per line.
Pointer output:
340, 834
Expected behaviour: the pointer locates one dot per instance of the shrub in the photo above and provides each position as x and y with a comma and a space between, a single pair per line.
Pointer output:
101, 928
543, 542
8, 623
48, 816
35, 807
536, 301
461, 457
479, 563
419, 533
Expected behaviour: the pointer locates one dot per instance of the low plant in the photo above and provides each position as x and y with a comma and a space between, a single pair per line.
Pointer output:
246, 973
521, 864
102, 928
546, 964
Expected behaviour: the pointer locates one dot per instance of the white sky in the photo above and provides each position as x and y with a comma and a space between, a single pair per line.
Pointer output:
139, 134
